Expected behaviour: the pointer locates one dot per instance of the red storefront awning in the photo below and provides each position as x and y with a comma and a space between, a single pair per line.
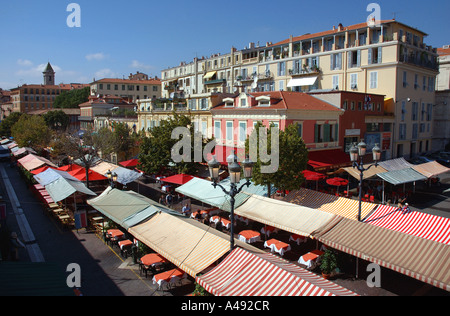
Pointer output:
328, 159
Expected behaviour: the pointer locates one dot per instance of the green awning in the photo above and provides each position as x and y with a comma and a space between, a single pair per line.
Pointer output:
203, 191
126, 208
402, 176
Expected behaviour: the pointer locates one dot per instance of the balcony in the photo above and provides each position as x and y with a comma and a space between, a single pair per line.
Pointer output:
214, 81
305, 71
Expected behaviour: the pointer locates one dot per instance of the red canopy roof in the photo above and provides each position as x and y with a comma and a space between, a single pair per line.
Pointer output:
130, 163
71, 167
178, 179
42, 169
80, 174
337, 181
327, 159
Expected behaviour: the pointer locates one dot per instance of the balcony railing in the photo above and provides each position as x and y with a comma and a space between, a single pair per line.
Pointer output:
215, 81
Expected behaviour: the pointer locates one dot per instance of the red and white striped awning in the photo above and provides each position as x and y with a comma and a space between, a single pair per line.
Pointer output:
243, 273
419, 224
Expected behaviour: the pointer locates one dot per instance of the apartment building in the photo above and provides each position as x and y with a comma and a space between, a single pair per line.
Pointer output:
388, 59
32, 97
441, 117
133, 89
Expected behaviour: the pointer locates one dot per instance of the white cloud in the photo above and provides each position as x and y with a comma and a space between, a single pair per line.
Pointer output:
24, 62
105, 73
138, 65
96, 56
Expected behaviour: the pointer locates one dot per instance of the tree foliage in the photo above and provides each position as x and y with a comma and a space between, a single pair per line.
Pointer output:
7, 123
72, 98
31, 131
56, 120
156, 150
292, 155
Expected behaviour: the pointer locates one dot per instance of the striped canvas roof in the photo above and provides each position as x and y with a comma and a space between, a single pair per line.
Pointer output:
188, 244
286, 216
419, 224
329, 203
243, 273
419, 258
395, 164
431, 169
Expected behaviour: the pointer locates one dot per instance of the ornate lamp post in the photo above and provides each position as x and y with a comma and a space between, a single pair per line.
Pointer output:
235, 177
358, 151
112, 177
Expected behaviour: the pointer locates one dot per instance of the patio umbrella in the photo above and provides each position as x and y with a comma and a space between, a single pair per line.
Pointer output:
71, 167
130, 163
337, 182
80, 174
178, 179
313, 176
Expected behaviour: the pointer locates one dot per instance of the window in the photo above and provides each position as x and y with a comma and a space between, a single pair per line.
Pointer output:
374, 80
325, 133
415, 111
354, 81
374, 55
352, 107
403, 111
415, 131
429, 111
116, 87
336, 61
416, 81
345, 105
336, 82
217, 130
402, 132
405, 82
242, 131
282, 69
281, 85
229, 131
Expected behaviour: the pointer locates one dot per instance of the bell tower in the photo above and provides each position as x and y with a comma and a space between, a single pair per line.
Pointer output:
49, 75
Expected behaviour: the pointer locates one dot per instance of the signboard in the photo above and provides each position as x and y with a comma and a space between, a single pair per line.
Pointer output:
80, 219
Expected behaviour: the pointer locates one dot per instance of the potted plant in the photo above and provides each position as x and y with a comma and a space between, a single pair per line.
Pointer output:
328, 263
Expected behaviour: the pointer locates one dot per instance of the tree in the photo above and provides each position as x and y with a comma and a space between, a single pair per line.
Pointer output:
7, 123
31, 131
72, 98
292, 155
56, 120
156, 150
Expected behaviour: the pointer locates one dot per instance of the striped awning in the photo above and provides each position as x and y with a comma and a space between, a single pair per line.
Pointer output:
419, 258
243, 273
373, 171
289, 217
431, 169
188, 244
329, 203
418, 224
395, 164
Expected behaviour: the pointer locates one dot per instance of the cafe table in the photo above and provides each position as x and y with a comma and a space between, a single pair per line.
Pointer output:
277, 246
298, 239
169, 277
267, 230
249, 236
310, 259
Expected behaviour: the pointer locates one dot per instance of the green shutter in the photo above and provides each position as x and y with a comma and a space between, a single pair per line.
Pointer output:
316, 133
326, 133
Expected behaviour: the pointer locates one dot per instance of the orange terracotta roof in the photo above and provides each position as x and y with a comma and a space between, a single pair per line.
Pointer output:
443, 51
128, 81
330, 32
286, 100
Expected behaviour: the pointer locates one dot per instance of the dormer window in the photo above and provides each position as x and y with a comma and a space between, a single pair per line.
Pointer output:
229, 102
263, 101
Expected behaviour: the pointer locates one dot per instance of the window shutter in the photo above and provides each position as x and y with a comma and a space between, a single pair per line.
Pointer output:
379, 55
369, 51
359, 58
331, 62
336, 133
316, 133
326, 133
349, 59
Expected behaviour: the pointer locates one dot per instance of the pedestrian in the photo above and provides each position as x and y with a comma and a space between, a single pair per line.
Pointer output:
186, 210
169, 199
161, 200
206, 220
16, 244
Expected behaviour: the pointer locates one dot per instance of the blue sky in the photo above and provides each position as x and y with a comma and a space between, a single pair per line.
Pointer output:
117, 38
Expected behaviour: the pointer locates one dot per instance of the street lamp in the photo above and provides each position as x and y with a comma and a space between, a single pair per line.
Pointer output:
358, 151
234, 170
112, 177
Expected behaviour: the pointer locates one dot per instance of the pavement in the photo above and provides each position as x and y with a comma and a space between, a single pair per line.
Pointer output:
105, 273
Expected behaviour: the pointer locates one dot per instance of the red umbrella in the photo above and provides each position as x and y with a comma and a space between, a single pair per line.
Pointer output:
337, 182
313, 176
130, 163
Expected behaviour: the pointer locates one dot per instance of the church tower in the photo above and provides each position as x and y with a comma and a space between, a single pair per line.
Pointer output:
49, 75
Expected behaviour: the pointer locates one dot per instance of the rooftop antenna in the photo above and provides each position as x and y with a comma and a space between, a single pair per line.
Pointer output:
394, 15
